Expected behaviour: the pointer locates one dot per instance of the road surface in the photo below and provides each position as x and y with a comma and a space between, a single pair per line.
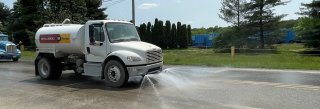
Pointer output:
178, 87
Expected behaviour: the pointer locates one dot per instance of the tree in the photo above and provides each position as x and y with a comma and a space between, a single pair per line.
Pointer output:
149, 32
309, 26
4, 16
179, 35
184, 37
167, 34
189, 35
173, 37
233, 11
260, 13
25, 20
94, 12
161, 34
143, 32
75, 10
155, 32
55, 11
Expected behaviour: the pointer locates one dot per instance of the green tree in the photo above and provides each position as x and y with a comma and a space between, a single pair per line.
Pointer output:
155, 32
75, 10
173, 36
94, 12
233, 11
55, 11
167, 34
4, 17
179, 35
189, 35
184, 37
149, 33
161, 34
25, 20
143, 32
309, 27
260, 13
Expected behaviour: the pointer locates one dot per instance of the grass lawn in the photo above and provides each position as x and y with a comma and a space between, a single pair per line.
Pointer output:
287, 58
28, 55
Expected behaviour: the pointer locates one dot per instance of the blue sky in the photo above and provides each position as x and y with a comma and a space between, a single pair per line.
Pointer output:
198, 13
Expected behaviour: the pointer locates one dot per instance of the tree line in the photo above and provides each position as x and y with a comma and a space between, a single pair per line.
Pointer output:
165, 34
27, 16
254, 23
249, 18
308, 27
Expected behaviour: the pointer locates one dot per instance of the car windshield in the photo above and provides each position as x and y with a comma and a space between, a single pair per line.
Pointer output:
122, 32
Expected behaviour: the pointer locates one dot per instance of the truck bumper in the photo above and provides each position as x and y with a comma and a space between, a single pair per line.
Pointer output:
9, 56
144, 69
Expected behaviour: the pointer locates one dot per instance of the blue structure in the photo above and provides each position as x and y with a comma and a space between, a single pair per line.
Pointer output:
289, 36
8, 50
203, 40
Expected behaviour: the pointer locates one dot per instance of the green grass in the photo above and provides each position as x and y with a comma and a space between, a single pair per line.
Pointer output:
287, 58
28, 55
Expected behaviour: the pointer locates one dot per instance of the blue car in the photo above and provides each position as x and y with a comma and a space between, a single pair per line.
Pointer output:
8, 50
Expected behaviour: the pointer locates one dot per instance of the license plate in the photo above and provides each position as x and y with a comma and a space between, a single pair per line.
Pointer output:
14, 56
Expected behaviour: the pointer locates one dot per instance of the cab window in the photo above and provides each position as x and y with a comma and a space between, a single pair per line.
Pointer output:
96, 33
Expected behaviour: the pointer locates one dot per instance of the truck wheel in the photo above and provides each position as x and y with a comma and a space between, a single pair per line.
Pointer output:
49, 69
115, 74
15, 59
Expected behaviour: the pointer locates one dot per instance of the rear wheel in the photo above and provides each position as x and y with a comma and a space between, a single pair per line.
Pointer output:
49, 69
115, 74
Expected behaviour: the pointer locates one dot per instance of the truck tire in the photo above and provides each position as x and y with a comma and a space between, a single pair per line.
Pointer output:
115, 74
49, 69
15, 59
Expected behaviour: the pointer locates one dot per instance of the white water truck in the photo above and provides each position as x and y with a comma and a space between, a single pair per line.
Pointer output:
108, 49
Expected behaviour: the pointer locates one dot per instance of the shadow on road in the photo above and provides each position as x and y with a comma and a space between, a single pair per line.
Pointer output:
84, 82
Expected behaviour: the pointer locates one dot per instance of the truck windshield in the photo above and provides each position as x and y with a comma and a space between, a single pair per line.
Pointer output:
122, 32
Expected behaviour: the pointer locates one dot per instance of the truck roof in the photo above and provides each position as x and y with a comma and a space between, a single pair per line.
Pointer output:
105, 21
108, 21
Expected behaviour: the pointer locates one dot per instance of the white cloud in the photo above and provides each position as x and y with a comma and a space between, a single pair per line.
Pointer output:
146, 6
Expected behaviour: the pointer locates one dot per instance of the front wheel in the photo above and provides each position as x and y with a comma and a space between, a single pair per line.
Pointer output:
15, 59
115, 74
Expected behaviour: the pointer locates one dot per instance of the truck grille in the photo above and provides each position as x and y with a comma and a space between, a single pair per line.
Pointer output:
154, 56
11, 49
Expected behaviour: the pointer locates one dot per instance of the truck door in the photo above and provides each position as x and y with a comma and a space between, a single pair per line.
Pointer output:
96, 46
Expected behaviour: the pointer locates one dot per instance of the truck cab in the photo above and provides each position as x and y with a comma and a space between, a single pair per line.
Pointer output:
8, 50
108, 49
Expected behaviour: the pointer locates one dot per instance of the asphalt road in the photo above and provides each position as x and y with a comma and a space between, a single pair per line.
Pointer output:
178, 87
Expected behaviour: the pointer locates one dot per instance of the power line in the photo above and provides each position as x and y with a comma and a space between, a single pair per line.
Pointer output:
112, 2
120, 1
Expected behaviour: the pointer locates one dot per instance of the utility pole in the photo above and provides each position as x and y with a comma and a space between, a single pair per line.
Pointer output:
133, 13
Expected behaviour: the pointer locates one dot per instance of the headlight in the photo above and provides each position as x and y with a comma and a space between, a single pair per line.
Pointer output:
133, 58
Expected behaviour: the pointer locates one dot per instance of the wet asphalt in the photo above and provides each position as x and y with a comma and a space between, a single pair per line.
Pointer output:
178, 87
